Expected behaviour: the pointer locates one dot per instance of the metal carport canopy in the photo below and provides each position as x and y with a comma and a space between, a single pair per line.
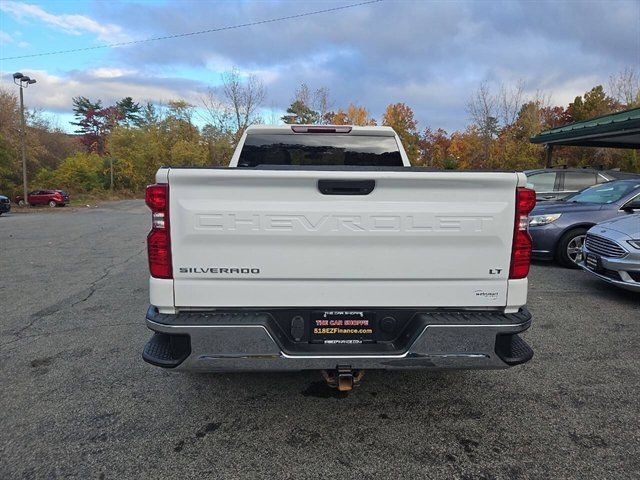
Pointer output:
617, 130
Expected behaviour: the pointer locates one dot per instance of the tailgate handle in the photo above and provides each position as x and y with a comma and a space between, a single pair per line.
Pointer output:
346, 187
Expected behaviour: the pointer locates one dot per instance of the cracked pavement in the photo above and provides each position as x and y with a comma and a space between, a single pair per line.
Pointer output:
76, 400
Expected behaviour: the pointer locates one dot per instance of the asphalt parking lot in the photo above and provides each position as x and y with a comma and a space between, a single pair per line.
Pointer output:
77, 401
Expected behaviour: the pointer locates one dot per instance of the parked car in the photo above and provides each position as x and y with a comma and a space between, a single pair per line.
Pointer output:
320, 247
555, 184
612, 251
558, 229
5, 204
53, 198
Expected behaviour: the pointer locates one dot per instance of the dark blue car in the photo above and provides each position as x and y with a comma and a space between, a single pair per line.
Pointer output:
558, 228
5, 204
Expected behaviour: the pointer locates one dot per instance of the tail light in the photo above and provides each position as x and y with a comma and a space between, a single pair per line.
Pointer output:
521, 248
158, 240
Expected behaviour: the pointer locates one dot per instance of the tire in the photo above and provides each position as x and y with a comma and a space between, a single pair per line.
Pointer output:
52, 204
569, 248
22, 203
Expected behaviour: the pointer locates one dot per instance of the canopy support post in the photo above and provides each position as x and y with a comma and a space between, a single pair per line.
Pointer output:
548, 150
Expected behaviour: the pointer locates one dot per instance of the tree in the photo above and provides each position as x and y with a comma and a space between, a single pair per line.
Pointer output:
354, 115
400, 117
95, 123
309, 107
82, 172
482, 107
434, 147
219, 145
554, 117
46, 143
235, 105
594, 103
149, 115
301, 114
509, 102
322, 103
466, 148
130, 111
625, 87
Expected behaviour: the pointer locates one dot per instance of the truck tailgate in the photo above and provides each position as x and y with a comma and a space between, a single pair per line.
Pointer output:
270, 238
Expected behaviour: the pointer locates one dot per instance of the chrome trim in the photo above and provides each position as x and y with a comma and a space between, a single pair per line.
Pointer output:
604, 246
252, 348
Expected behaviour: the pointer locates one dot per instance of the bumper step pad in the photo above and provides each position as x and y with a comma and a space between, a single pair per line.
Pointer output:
513, 350
166, 351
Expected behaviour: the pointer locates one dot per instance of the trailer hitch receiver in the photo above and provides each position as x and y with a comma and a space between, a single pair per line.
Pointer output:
344, 378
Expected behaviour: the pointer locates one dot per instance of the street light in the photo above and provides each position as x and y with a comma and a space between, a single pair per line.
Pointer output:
23, 82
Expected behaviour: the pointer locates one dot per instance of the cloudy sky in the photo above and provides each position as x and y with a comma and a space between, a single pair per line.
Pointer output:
429, 54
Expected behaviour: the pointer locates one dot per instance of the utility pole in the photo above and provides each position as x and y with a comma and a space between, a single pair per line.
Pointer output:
23, 82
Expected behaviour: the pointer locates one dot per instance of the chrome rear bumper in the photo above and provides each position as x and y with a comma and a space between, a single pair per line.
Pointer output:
241, 341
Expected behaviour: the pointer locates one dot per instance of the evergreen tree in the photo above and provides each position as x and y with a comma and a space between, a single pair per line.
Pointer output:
130, 111
300, 113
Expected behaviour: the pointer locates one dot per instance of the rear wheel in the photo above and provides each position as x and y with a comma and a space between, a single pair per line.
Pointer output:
52, 203
569, 249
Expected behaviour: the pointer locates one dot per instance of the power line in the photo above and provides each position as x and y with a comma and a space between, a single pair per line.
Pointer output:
190, 34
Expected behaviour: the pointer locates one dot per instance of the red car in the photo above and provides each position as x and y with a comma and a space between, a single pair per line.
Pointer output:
53, 198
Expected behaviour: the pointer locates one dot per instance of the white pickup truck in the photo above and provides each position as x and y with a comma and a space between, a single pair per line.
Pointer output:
321, 248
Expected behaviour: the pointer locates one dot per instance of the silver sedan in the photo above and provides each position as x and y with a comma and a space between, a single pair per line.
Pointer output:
612, 252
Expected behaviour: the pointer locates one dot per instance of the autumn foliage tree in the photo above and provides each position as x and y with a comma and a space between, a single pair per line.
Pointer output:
46, 143
95, 123
400, 117
434, 149
353, 115
593, 103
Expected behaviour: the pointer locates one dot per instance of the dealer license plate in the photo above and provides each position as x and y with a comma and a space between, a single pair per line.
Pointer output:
343, 326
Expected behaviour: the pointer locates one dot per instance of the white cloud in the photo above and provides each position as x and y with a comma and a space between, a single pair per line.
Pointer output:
107, 72
431, 55
7, 38
54, 93
71, 24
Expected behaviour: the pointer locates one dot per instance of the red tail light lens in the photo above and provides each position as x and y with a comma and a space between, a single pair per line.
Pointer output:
158, 240
159, 251
521, 248
156, 196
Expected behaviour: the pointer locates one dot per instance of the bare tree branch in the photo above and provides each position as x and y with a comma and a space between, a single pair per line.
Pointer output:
625, 87
482, 108
509, 102
234, 105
